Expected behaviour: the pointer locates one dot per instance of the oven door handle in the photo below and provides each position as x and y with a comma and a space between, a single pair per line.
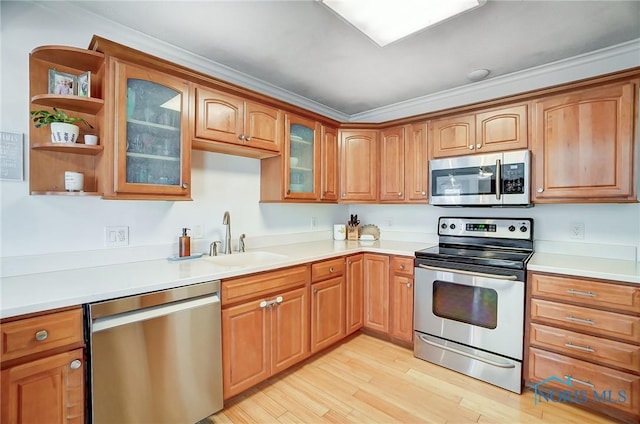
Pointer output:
474, 274
468, 355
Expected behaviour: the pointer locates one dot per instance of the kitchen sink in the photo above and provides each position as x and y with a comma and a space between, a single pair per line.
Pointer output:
246, 259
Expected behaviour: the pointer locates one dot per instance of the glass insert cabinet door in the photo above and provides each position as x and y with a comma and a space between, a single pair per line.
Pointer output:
302, 158
153, 157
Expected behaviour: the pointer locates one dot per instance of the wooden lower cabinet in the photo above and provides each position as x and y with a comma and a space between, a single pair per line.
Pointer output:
376, 292
588, 330
328, 313
264, 335
43, 369
401, 285
47, 390
355, 293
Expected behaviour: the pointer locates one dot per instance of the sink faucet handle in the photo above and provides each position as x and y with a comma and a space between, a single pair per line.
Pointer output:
241, 243
214, 248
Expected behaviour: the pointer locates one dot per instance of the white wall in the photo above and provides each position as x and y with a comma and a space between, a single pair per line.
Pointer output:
41, 225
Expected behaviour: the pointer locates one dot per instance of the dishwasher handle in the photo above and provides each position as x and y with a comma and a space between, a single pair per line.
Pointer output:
105, 323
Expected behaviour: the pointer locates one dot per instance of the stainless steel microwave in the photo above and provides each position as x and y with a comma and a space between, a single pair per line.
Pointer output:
492, 179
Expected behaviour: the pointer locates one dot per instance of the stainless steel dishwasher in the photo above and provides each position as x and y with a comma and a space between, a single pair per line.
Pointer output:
156, 357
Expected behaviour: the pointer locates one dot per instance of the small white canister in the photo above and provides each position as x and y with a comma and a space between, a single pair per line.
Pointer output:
73, 181
339, 232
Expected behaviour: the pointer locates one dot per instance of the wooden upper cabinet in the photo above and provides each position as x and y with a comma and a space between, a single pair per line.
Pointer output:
490, 131
358, 165
230, 124
392, 158
583, 146
329, 164
152, 154
416, 164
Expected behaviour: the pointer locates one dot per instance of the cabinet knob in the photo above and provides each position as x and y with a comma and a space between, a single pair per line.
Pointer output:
41, 335
344, 195
75, 364
247, 137
315, 291
470, 146
288, 191
331, 269
540, 189
324, 193
478, 146
409, 285
399, 193
424, 193
263, 304
279, 299
185, 185
401, 266
241, 137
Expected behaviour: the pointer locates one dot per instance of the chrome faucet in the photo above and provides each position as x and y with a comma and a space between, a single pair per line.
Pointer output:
226, 220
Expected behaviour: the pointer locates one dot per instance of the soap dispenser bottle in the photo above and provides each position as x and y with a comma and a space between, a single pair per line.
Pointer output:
184, 243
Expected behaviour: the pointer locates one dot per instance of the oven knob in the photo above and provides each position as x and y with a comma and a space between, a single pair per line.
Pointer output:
452, 226
443, 226
523, 229
512, 228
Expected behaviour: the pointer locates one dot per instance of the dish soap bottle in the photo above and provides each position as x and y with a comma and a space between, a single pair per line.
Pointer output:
184, 243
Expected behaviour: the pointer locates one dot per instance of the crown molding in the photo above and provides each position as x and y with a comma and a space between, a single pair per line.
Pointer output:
599, 62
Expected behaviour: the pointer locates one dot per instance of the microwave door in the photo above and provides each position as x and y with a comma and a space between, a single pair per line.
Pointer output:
467, 180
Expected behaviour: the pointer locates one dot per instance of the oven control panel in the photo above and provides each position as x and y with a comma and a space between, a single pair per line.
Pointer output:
512, 228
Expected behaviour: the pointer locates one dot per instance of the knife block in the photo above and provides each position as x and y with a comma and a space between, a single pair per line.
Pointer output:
353, 232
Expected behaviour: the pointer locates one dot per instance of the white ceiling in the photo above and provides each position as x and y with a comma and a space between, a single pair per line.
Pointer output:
303, 47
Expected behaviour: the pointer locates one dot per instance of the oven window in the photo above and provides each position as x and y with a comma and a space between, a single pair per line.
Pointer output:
472, 305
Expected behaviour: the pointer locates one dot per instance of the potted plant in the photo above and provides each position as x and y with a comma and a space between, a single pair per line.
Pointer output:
63, 128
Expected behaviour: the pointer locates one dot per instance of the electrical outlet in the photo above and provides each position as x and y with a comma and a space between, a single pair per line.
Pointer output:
116, 236
576, 230
197, 231
314, 222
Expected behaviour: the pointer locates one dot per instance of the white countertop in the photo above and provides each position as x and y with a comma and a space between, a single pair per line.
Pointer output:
586, 266
39, 292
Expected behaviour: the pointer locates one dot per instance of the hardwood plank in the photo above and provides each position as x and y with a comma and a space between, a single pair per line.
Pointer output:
365, 379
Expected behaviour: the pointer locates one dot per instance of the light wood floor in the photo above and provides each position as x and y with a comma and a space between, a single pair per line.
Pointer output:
367, 380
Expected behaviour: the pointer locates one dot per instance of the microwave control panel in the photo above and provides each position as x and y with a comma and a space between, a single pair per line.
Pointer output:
513, 178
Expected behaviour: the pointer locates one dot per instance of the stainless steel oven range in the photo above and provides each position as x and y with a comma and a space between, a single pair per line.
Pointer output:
469, 298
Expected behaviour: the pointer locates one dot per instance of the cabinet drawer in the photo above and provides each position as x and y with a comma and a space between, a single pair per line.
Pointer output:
327, 269
402, 265
621, 390
38, 334
263, 284
609, 352
606, 295
608, 324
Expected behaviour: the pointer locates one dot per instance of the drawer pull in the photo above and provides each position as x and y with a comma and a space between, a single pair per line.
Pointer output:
586, 383
75, 364
331, 269
582, 348
580, 320
42, 335
581, 293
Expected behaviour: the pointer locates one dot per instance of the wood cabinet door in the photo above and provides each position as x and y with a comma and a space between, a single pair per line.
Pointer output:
359, 165
152, 138
453, 136
329, 164
301, 158
392, 154
246, 346
47, 390
328, 310
289, 329
417, 164
263, 126
219, 116
402, 308
583, 145
502, 129
376, 292
355, 293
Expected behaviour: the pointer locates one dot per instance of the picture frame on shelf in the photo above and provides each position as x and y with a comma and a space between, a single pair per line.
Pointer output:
83, 84
61, 83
